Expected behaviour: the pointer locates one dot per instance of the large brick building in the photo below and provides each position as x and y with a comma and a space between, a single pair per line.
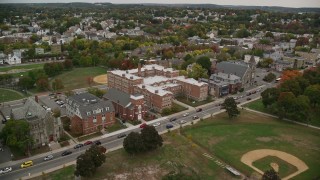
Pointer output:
157, 84
127, 107
88, 113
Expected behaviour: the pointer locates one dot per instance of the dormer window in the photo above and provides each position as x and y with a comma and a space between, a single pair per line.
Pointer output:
88, 113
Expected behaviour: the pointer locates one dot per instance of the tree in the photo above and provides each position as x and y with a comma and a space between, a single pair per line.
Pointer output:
270, 96
205, 62
16, 134
26, 83
291, 86
269, 77
85, 166
313, 92
56, 112
198, 72
133, 143
289, 74
151, 138
231, 107
97, 156
242, 33
97, 92
68, 64
42, 84
57, 84
270, 175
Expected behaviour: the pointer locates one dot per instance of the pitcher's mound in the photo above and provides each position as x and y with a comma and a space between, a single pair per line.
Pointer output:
102, 79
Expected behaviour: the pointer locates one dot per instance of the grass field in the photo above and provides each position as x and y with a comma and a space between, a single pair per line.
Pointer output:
115, 127
90, 136
230, 139
285, 168
258, 106
22, 67
9, 95
77, 78
177, 153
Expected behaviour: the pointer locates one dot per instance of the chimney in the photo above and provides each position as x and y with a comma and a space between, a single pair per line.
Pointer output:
143, 86
139, 69
156, 91
36, 98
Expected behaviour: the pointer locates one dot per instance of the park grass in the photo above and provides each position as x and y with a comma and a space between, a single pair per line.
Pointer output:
77, 78
175, 108
192, 102
230, 139
177, 153
9, 95
258, 106
285, 169
26, 67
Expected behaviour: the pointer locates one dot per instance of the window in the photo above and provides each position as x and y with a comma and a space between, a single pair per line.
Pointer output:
94, 119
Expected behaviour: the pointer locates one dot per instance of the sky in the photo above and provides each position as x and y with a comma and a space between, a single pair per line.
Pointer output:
283, 3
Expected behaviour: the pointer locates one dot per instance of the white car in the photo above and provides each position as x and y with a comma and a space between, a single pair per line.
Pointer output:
156, 124
185, 114
5, 170
182, 121
49, 157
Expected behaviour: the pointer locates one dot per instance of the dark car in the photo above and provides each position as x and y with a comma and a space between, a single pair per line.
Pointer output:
195, 117
78, 146
168, 126
88, 143
199, 110
97, 142
66, 153
172, 119
122, 135
248, 99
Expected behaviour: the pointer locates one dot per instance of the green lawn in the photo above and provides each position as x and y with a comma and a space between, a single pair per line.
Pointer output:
77, 78
22, 67
192, 102
285, 168
230, 139
175, 108
115, 127
64, 173
258, 106
90, 136
9, 95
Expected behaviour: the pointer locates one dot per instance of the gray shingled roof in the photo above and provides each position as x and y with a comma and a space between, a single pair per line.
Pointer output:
89, 103
117, 96
30, 110
232, 68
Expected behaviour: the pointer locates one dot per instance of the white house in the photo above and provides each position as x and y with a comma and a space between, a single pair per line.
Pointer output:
39, 50
13, 59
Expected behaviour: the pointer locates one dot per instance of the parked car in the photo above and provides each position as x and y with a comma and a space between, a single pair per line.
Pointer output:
66, 153
143, 125
172, 119
168, 126
122, 135
97, 142
27, 164
49, 157
183, 122
156, 124
195, 117
185, 114
5, 170
249, 98
88, 143
78, 146
199, 110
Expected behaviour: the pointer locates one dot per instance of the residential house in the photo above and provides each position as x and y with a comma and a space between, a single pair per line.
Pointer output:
39, 50
44, 128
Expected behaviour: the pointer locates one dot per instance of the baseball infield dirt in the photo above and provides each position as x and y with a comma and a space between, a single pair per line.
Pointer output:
102, 79
254, 155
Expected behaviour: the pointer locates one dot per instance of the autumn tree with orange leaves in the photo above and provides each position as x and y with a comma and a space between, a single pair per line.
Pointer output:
290, 74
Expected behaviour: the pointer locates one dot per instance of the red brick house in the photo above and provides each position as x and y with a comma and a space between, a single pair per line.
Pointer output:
127, 107
88, 113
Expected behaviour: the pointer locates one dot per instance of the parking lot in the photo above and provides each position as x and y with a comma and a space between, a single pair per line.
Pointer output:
52, 102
